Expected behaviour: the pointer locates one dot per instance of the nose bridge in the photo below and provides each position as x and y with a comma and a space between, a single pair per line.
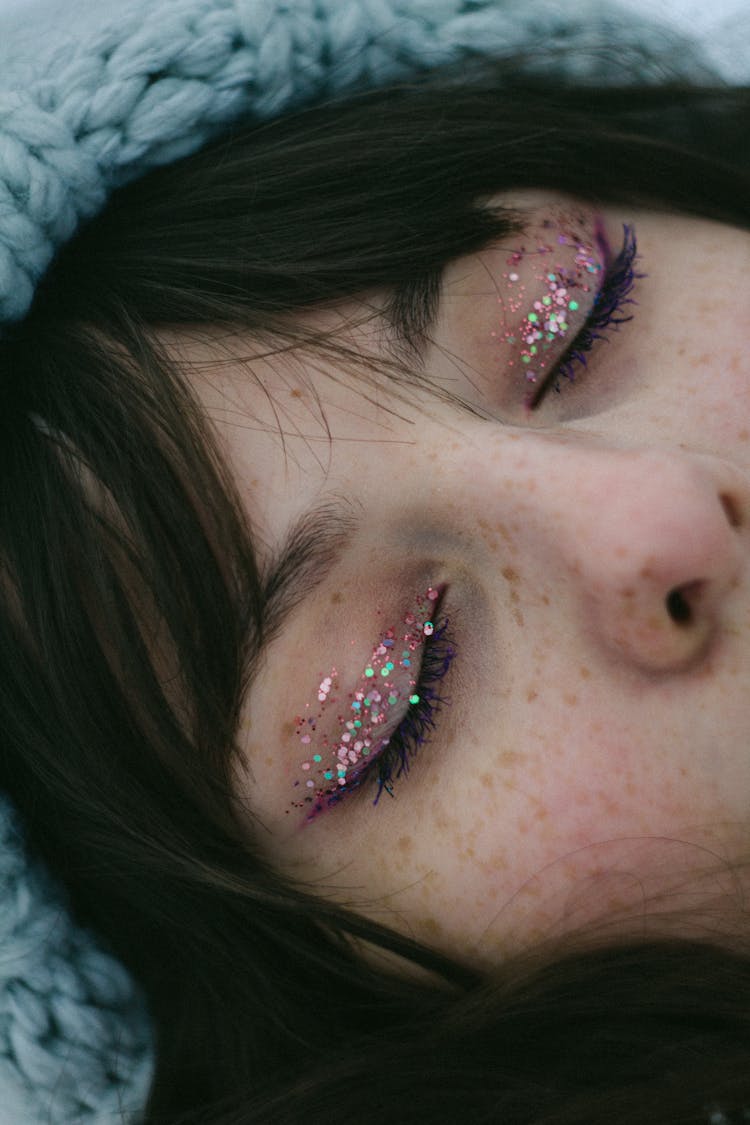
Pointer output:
651, 543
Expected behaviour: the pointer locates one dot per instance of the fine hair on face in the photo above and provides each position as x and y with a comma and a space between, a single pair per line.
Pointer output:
135, 613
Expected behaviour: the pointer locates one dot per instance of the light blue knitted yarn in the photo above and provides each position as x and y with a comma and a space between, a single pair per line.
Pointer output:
104, 99
91, 98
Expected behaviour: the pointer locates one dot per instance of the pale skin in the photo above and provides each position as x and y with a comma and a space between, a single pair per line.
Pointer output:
595, 749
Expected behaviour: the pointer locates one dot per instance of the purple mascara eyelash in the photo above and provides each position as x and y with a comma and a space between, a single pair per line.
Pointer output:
605, 312
349, 737
563, 291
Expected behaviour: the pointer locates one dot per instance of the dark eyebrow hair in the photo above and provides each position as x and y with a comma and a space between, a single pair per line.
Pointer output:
314, 543
312, 547
412, 310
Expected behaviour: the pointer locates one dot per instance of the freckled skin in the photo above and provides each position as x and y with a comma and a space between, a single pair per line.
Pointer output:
596, 748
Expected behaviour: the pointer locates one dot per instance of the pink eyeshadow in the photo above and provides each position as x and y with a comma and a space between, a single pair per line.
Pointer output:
341, 731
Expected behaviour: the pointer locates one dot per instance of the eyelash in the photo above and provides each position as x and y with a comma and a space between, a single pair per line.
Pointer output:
603, 318
397, 754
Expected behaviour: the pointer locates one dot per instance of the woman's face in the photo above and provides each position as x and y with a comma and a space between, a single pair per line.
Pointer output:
583, 556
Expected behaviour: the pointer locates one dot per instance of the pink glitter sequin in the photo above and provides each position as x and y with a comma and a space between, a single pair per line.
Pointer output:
362, 720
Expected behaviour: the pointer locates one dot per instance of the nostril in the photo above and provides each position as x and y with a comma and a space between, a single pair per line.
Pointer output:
731, 510
678, 607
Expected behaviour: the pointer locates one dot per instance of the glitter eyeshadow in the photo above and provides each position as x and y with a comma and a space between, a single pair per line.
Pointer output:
547, 283
341, 732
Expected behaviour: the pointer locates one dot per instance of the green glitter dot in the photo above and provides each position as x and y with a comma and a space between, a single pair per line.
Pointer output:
533, 349
392, 699
526, 358
383, 671
414, 699
317, 758
546, 300
368, 701
358, 722
532, 318
573, 306
563, 326
365, 751
511, 339
369, 672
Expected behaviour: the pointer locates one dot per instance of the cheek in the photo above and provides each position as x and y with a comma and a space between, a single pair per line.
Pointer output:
563, 826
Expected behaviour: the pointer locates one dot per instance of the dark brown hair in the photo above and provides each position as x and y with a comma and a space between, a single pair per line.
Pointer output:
133, 612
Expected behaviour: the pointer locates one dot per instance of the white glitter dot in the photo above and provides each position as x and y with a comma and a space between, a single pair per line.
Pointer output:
513, 277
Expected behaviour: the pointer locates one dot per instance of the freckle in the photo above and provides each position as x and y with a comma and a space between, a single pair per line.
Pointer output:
518, 618
510, 758
287, 729
431, 926
545, 599
405, 843
629, 593
501, 529
570, 699
743, 435
585, 673
335, 597
269, 761
621, 552
509, 574
296, 393
531, 696
487, 780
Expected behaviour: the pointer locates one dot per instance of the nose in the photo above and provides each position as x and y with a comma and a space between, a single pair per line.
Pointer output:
654, 542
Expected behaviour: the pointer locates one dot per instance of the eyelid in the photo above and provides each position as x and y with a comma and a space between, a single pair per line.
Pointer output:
365, 716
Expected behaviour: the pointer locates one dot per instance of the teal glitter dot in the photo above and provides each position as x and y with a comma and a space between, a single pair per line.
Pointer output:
358, 722
392, 699
414, 699
317, 758
551, 277
328, 775
356, 705
406, 662
573, 306
368, 701
389, 665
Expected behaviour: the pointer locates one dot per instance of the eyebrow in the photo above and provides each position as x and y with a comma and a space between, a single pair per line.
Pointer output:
311, 549
412, 311
315, 542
